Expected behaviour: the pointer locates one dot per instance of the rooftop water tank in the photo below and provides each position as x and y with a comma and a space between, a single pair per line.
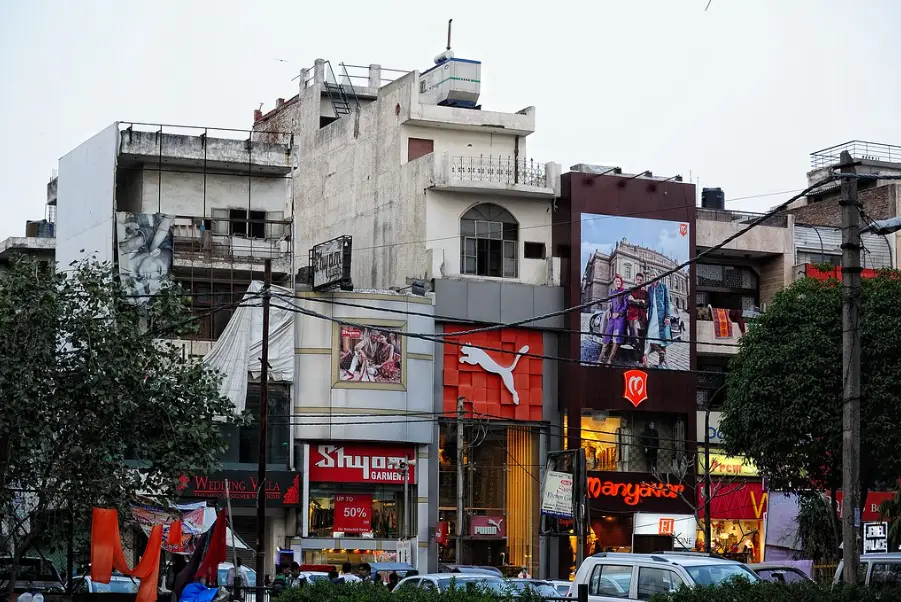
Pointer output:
453, 82
713, 198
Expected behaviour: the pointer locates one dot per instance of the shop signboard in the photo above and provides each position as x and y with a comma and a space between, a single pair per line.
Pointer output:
713, 431
361, 463
871, 508
557, 494
637, 492
330, 263
353, 513
727, 466
405, 549
282, 487
487, 527
682, 527
875, 538
735, 500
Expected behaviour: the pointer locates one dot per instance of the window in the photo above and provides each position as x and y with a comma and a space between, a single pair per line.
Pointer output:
386, 512
489, 242
243, 441
610, 580
628, 271
534, 250
885, 574
212, 305
241, 222
653, 581
419, 147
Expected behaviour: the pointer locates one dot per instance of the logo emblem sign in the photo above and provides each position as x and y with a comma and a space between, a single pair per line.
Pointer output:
636, 389
683, 229
667, 526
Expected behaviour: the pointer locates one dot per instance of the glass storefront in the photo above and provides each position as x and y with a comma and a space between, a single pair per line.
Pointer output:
500, 496
383, 504
735, 539
633, 441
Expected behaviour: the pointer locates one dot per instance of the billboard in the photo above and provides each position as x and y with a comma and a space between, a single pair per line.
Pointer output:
650, 326
370, 354
145, 252
330, 263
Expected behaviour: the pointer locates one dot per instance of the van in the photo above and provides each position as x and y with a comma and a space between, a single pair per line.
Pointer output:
876, 570
614, 576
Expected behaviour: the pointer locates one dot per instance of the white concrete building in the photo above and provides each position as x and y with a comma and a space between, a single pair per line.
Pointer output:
426, 190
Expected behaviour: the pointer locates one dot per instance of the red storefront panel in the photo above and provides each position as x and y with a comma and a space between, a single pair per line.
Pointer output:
735, 500
360, 463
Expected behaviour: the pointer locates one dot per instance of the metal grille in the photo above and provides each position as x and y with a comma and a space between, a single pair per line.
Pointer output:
859, 149
503, 170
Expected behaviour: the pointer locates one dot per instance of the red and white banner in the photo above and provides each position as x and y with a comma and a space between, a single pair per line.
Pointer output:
353, 512
360, 463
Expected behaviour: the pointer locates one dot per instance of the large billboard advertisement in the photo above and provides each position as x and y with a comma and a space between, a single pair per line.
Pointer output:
650, 326
145, 252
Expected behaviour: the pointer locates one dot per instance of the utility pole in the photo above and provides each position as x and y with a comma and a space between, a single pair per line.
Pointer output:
707, 521
460, 414
264, 439
850, 369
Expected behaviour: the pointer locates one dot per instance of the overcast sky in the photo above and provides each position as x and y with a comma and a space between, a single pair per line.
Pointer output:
736, 96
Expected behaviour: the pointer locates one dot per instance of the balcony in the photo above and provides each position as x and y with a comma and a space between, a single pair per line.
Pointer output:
859, 149
232, 244
718, 332
771, 237
501, 175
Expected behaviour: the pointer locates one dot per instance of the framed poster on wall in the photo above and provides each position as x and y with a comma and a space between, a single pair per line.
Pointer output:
369, 354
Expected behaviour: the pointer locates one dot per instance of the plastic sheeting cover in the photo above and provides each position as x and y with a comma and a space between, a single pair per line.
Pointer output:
237, 351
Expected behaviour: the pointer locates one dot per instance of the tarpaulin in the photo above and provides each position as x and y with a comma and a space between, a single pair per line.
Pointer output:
237, 350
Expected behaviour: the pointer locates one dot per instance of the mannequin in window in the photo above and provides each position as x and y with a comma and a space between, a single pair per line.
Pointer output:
624, 445
650, 442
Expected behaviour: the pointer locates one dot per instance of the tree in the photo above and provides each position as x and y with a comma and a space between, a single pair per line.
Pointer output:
783, 407
95, 407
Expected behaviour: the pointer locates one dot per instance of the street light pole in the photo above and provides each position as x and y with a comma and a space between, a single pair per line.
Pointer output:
850, 369
264, 424
461, 412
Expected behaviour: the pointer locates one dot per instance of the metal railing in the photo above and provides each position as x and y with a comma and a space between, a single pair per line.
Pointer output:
245, 239
859, 149
739, 217
503, 170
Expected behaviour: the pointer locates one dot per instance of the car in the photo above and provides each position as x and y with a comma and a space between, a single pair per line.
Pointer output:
515, 588
33, 575
562, 587
617, 576
314, 576
474, 570
222, 574
875, 569
118, 584
441, 582
780, 573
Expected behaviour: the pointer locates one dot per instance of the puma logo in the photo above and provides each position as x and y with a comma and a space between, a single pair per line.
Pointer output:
475, 356
495, 523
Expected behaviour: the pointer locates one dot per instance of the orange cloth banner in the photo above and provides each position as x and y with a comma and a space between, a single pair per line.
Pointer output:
175, 536
722, 325
107, 554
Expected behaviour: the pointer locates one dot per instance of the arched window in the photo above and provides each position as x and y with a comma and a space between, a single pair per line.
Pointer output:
489, 242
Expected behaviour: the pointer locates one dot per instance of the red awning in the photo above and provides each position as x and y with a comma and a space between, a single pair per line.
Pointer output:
735, 500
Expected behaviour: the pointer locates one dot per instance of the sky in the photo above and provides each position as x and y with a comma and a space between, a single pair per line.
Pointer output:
735, 95
601, 232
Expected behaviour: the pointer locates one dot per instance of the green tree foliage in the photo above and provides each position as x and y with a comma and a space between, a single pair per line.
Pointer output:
783, 407
95, 408
818, 528
742, 591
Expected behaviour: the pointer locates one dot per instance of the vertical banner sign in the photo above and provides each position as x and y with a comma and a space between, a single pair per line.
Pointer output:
145, 253
875, 538
353, 513
557, 494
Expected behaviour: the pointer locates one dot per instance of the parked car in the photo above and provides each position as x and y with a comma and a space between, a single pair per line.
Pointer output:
562, 587
34, 575
441, 582
475, 570
875, 570
615, 576
222, 574
314, 576
780, 573
516, 588
118, 584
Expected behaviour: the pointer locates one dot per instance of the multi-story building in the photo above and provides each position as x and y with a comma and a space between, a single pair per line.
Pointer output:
39, 241
437, 192
208, 208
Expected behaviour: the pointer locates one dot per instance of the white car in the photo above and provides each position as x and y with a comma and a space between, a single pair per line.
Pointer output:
441, 582
562, 587
640, 576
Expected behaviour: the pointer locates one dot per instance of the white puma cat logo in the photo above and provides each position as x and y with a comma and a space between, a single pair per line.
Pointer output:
475, 356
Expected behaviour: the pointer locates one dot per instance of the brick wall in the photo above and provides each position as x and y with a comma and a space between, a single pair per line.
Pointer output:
878, 203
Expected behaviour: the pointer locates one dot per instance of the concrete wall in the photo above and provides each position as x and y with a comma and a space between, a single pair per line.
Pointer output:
183, 193
759, 239
86, 197
465, 143
444, 211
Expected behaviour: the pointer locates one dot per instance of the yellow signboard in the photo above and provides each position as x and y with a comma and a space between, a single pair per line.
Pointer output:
722, 465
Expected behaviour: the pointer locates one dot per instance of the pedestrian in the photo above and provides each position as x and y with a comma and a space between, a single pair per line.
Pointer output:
283, 579
393, 580
524, 574
366, 575
334, 577
347, 574
237, 579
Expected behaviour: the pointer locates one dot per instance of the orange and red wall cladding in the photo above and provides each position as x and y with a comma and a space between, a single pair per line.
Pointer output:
486, 382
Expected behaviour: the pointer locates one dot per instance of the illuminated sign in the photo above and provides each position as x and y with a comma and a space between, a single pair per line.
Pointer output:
632, 493
726, 466
666, 526
636, 386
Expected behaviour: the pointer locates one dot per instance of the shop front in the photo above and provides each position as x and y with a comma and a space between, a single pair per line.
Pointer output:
737, 509
501, 389
359, 500
638, 512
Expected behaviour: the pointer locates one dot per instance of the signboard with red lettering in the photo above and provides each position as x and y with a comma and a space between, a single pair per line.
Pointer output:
361, 463
636, 492
353, 513
241, 486
870, 511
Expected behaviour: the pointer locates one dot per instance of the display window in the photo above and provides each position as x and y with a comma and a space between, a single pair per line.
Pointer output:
617, 441
733, 539
346, 511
